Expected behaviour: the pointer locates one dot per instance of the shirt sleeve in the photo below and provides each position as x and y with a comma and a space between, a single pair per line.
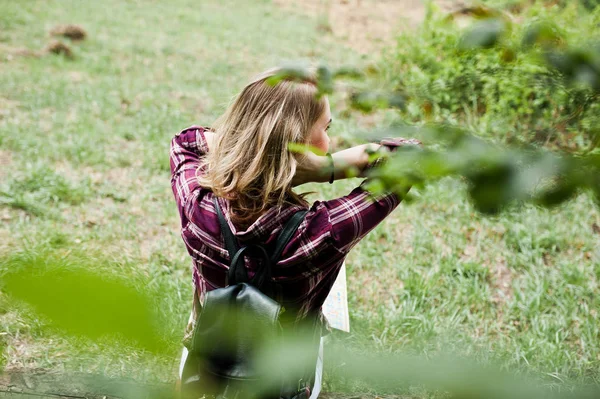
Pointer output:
187, 150
353, 216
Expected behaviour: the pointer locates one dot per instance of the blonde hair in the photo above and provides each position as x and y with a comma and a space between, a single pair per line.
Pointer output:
250, 163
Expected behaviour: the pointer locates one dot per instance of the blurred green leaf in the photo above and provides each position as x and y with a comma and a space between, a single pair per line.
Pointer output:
578, 66
324, 80
303, 148
590, 4
483, 34
456, 377
80, 301
498, 175
560, 192
542, 33
367, 101
349, 73
490, 187
290, 72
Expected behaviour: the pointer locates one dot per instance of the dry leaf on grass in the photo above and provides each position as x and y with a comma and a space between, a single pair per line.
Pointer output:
71, 31
59, 48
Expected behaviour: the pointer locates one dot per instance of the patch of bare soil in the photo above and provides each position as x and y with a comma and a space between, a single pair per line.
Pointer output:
500, 275
364, 25
5, 163
9, 53
122, 192
5, 160
502, 281
371, 287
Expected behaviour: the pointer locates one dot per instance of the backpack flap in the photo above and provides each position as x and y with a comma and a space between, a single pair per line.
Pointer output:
235, 323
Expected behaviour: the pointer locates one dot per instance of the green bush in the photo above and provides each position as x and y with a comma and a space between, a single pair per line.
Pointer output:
503, 91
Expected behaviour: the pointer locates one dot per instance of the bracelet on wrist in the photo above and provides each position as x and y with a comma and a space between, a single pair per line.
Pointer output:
331, 168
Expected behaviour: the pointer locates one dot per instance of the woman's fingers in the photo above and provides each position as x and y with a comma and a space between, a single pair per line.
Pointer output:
399, 141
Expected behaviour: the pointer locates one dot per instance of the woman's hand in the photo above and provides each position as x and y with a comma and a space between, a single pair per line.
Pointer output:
387, 146
353, 161
394, 143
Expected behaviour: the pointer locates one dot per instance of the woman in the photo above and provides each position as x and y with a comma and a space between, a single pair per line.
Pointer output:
245, 162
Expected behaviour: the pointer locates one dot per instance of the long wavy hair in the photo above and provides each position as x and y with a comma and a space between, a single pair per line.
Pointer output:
250, 163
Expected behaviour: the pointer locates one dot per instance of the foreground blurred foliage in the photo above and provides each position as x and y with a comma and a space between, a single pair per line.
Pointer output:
497, 176
80, 302
73, 295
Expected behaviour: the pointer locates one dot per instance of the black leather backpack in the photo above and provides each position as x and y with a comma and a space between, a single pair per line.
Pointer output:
235, 324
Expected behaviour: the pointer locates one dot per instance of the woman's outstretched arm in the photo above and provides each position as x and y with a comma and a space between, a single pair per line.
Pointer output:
317, 169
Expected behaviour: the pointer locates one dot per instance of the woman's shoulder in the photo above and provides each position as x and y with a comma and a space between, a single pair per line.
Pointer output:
196, 136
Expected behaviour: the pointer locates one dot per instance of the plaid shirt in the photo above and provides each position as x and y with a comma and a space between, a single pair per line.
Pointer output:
310, 262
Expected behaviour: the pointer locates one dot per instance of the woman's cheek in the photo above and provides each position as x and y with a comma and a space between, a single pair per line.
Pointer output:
322, 143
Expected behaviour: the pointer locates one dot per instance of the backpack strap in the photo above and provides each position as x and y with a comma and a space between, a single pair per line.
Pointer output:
286, 234
230, 240
262, 278
237, 272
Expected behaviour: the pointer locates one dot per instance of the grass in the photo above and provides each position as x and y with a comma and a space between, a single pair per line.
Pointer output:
37, 186
86, 144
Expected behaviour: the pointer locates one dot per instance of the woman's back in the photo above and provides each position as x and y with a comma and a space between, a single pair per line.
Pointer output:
310, 262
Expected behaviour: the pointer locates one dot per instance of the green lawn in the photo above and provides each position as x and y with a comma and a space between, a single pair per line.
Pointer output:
84, 154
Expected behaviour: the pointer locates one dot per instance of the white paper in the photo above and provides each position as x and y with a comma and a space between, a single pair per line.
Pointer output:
335, 307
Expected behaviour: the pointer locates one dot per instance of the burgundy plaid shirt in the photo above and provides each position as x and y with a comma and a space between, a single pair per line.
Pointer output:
310, 262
